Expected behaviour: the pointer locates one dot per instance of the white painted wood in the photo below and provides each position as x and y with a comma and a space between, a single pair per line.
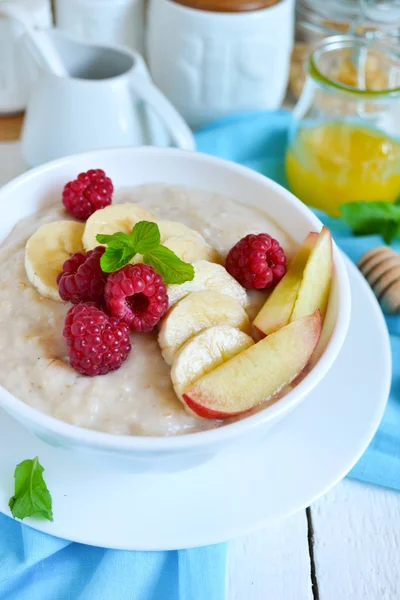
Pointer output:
357, 543
272, 564
11, 162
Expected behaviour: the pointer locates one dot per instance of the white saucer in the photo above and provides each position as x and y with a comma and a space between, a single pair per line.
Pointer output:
300, 459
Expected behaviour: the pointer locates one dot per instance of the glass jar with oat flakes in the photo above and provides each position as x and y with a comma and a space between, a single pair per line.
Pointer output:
318, 19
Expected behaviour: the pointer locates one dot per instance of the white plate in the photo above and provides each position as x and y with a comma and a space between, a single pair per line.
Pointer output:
300, 459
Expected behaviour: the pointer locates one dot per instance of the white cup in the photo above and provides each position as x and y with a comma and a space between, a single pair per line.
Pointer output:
16, 71
211, 64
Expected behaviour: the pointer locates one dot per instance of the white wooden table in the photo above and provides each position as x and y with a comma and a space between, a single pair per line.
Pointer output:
345, 547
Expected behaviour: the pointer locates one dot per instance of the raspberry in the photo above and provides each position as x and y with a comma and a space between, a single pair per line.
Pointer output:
97, 343
257, 261
86, 194
82, 279
136, 295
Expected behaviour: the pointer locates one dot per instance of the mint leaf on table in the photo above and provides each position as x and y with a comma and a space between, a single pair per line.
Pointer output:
31, 496
366, 218
144, 239
167, 264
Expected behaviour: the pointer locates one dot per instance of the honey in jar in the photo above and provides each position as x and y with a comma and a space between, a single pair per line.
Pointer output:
341, 151
329, 165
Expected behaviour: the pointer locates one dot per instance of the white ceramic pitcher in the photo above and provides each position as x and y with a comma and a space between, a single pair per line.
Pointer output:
107, 99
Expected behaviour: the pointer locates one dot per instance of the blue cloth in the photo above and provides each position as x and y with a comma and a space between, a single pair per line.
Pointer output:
258, 140
36, 566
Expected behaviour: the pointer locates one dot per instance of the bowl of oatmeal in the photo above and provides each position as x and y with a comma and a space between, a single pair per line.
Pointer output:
189, 376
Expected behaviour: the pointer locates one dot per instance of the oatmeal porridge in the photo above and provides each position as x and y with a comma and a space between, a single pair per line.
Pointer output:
138, 398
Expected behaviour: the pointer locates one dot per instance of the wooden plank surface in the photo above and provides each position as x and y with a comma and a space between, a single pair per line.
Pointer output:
357, 543
10, 127
355, 551
272, 564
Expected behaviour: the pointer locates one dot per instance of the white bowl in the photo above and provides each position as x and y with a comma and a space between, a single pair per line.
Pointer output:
136, 166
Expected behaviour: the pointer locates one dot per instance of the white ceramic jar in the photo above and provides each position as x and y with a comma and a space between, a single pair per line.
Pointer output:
211, 64
16, 74
116, 22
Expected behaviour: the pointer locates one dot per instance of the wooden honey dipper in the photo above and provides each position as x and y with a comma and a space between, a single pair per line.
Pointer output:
381, 268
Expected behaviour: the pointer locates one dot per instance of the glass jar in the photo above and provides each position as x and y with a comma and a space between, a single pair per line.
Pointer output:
317, 20
342, 148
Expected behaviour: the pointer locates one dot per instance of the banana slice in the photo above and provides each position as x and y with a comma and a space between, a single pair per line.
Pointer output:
196, 312
173, 228
47, 250
191, 249
204, 352
208, 276
113, 218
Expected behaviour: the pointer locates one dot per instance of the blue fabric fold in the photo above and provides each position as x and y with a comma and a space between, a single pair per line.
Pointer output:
37, 566
259, 140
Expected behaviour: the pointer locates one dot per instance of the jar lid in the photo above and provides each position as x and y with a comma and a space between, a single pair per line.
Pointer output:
229, 6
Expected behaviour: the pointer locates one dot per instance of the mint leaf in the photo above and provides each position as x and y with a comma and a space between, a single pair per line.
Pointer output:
115, 240
390, 231
122, 247
114, 259
171, 268
31, 496
366, 218
145, 236
144, 239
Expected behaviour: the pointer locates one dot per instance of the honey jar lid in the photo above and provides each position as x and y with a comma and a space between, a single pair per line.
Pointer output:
228, 5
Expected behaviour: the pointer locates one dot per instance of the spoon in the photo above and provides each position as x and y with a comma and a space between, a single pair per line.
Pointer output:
38, 40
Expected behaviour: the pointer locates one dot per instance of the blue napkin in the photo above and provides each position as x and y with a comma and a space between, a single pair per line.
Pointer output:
37, 566
258, 140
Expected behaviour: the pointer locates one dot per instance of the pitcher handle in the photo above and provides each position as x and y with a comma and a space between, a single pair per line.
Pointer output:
176, 126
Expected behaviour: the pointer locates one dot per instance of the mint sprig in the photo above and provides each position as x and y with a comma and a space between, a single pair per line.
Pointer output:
369, 218
31, 496
145, 236
169, 266
144, 239
115, 258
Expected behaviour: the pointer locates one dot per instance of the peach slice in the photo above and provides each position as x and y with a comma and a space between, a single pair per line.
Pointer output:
256, 374
278, 307
317, 277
